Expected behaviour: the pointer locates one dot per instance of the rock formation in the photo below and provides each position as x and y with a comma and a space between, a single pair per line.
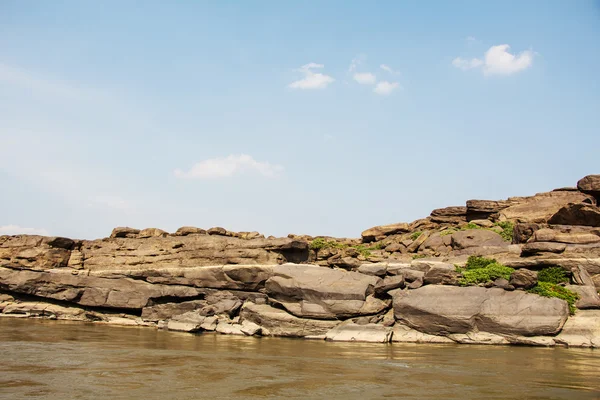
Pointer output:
402, 282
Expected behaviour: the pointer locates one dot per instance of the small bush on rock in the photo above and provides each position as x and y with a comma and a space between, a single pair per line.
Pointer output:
416, 235
507, 230
553, 275
548, 289
482, 270
449, 231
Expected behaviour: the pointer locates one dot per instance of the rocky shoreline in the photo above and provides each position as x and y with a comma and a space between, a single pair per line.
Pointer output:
525, 270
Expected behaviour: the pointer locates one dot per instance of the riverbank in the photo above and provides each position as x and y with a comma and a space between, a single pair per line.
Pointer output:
525, 270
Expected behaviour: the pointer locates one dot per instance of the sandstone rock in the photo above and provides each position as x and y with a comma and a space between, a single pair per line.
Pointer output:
581, 330
588, 296
217, 230
315, 292
276, 322
417, 283
45, 310
522, 232
189, 230
124, 232
228, 328
590, 184
442, 275
486, 223
581, 276
378, 269
476, 238
348, 263
411, 275
523, 278
61, 243
249, 328
449, 215
217, 303
503, 284
380, 232
575, 237
151, 232
414, 246
406, 334
541, 207
394, 247
484, 209
389, 283
478, 338
577, 214
89, 291
439, 309
530, 249
348, 331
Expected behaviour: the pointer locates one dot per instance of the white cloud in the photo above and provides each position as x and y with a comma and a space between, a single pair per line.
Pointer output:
497, 61
225, 167
471, 39
389, 69
19, 230
364, 78
467, 64
311, 80
356, 62
385, 87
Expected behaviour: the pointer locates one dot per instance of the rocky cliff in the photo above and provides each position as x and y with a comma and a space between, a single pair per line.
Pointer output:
525, 270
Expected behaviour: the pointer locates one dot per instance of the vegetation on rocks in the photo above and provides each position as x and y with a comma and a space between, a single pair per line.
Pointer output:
322, 243
553, 275
448, 231
415, 235
548, 289
482, 270
506, 226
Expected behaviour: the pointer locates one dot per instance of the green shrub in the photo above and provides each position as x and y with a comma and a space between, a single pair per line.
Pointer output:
417, 256
470, 225
322, 243
416, 235
507, 230
482, 270
553, 275
548, 289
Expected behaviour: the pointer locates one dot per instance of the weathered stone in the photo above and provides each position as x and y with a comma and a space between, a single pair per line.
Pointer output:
590, 184
588, 296
348, 331
380, 232
88, 290
503, 284
539, 208
151, 232
417, 283
349, 263
378, 269
394, 247
577, 214
574, 237
406, 334
189, 230
411, 275
276, 322
249, 328
414, 246
61, 243
439, 309
124, 232
315, 292
533, 248
217, 303
228, 328
217, 230
522, 232
476, 238
478, 338
523, 278
485, 223
581, 330
442, 275
581, 276
389, 283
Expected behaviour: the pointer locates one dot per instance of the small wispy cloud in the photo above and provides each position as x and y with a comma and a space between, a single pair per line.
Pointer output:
389, 69
498, 60
471, 39
311, 80
463, 64
19, 230
226, 167
114, 202
364, 78
385, 88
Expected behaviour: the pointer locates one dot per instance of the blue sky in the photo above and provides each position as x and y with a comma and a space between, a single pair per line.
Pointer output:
308, 117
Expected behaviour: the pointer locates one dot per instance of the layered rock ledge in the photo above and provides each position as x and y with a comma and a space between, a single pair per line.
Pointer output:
402, 282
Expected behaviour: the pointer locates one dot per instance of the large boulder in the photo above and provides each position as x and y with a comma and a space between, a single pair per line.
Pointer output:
124, 232
523, 278
541, 207
476, 238
484, 209
577, 214
90, 291
315, 292
437, 309
590, 184
380, 232
456, 214
567, 236
216, 303
277, 322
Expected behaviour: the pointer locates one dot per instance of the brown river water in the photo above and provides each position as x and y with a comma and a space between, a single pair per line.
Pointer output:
69, 360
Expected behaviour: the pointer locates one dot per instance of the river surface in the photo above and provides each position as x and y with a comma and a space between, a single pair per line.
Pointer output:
71, 360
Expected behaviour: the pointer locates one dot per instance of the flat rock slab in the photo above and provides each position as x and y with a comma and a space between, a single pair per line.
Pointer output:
276, 322
444, 310
352, 332
581, 330
316, 292
406, 334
